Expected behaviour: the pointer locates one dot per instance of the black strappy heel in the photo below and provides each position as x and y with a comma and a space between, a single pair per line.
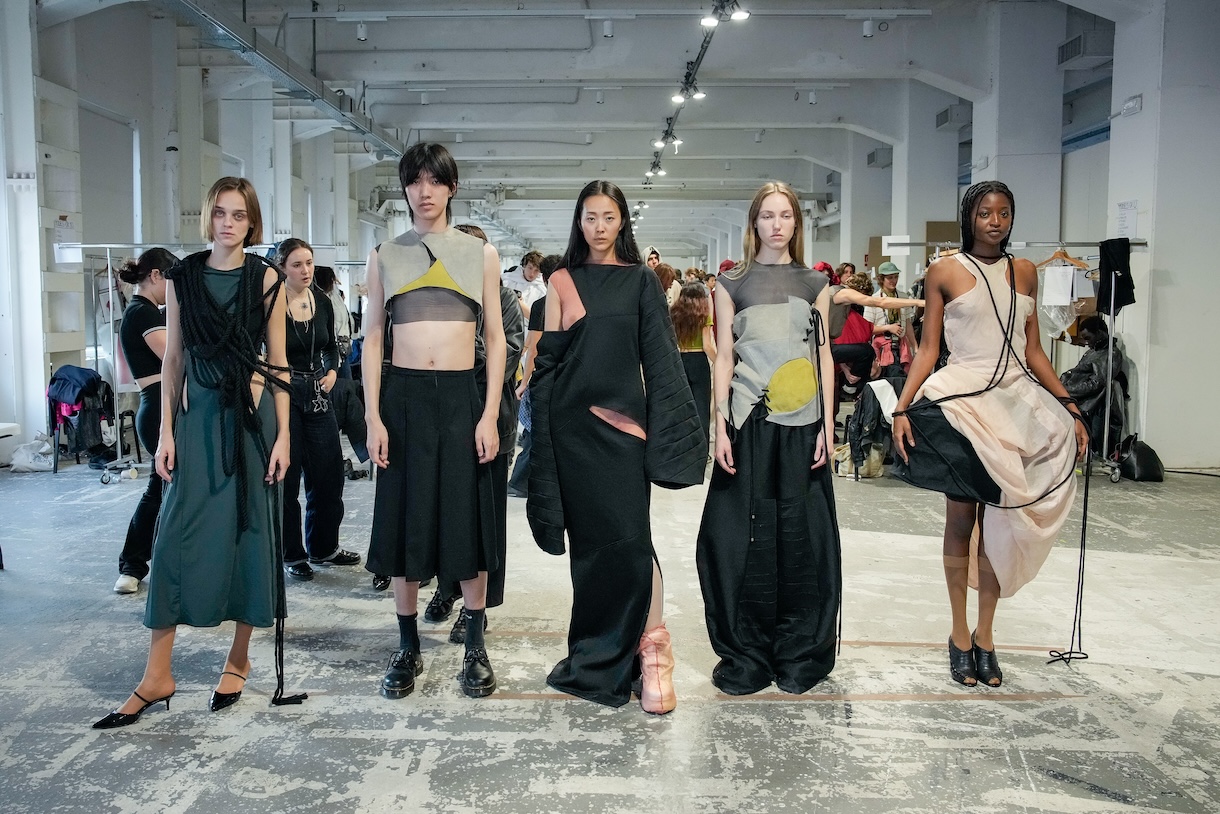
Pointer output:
116, 719
220, 700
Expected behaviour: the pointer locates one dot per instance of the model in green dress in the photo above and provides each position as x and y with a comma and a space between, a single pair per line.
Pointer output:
223, 452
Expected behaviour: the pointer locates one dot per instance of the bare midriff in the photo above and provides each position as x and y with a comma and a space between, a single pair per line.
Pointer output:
434, 345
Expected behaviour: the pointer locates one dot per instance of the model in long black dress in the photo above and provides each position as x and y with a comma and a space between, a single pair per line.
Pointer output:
618, 362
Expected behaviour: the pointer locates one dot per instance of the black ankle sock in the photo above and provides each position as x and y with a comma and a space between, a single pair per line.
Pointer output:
408, 632
474, 628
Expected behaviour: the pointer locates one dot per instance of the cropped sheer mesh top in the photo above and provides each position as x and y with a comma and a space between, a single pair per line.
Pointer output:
432, 305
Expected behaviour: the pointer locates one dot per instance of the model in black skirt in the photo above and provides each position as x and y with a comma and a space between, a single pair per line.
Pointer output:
429, 431
768, 552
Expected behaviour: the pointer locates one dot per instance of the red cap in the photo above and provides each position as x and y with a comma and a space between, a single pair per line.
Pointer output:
725, 265
822, 265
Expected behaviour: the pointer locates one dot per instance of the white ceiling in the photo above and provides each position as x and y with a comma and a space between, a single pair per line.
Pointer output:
543, 102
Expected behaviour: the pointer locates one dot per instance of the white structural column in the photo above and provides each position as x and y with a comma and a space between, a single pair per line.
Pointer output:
866, 201
924, 172
22, 341
191, 183
344, 207
162, 194
278, 211
322, 185
1162, 163
1018, 127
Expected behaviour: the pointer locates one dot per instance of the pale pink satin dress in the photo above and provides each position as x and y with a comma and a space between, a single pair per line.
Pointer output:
1024, 437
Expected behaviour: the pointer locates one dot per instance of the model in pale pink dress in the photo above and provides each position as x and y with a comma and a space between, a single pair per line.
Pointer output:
989, 429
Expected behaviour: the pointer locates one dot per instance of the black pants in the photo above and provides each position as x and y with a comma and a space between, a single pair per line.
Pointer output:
520, 480
316, 455
858, 357
137, 549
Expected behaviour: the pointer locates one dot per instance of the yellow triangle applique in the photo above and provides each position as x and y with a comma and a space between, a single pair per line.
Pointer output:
435, 277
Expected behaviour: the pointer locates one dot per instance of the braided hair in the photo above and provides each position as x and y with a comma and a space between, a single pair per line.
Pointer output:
223, 341
970, 202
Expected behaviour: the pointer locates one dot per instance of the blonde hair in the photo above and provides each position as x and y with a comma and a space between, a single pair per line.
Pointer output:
253, 212
750, 242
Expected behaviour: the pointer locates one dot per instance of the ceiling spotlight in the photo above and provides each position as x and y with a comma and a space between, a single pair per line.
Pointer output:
674, 140
868, 29
659, 144
739, 15
758, 134
423, 98
813, 97
588, 138
660, 171
645, 205
362, 32
637, 206
710, 21
600, 97
698, 94
679, 97
648, 173
608, 29
457, 137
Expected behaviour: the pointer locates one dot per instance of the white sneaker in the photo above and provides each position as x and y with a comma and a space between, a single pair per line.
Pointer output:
126, 585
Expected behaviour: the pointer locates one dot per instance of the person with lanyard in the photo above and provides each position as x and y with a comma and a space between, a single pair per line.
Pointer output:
312, 351
768, 550
993, 429
892, 340
612, 415
223, 451
142, 337
429, 431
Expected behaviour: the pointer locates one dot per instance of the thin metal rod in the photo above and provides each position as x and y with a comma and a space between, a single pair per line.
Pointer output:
1016, 244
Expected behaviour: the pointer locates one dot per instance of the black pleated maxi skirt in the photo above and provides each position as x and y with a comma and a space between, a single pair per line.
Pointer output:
769, 561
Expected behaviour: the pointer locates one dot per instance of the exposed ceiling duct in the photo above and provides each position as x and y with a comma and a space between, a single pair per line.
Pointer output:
241, 38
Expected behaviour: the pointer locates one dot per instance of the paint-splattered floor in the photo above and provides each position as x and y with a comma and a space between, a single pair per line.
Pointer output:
1133, 729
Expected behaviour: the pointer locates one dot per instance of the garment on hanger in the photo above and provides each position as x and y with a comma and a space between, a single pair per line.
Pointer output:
1115, 275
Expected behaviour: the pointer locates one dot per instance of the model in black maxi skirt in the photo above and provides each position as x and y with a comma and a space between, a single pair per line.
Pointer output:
769, 561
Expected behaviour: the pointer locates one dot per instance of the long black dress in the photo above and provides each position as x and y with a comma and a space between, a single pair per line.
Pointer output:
592, 480
768, 551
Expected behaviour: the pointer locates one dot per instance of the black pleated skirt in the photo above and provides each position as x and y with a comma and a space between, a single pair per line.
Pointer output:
434, 511
769, 561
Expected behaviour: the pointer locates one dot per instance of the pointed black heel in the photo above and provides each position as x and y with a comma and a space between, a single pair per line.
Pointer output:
116, 719
987, 665
961, 664
220, 700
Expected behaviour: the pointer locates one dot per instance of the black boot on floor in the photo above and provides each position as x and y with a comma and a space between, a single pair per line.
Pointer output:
478, 679
440, 606
399, 681
458, 634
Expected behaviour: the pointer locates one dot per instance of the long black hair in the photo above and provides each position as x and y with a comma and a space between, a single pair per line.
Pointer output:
625, 248
970, 202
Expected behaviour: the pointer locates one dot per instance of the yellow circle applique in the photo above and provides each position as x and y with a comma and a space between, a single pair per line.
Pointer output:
793, 385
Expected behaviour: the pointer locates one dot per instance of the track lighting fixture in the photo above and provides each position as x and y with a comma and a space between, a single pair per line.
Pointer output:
679, 97
710, 21
698, 94
659, 143
362, 31
608, 29
423, 97
600, 97
588, 138
868, 29
457, 137
724, 10
758, 134
813, 97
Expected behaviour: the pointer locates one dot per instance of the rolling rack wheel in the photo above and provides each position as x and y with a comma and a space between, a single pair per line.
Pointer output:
106, 478
1115, 475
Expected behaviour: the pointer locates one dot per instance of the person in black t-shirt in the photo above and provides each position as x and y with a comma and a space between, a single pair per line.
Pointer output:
142, 336
309, 343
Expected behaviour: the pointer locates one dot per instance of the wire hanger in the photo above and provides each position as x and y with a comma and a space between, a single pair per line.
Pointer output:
1063, 257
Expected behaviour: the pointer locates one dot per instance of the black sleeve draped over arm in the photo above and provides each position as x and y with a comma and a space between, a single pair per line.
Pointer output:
675, 454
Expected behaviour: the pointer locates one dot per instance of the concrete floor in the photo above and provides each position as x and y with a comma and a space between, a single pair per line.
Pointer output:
1132, 729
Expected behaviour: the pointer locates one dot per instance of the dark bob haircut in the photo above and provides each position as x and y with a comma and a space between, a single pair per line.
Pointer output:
434, 160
